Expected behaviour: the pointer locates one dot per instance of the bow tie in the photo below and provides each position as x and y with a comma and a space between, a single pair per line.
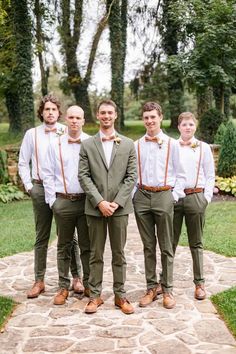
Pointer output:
108, 138
153, 139
185, 143
74, 141
50, 130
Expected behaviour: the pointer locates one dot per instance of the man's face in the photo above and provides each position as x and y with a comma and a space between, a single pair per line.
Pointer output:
50, 113
106, 116
187, 129
75, 119
152, 122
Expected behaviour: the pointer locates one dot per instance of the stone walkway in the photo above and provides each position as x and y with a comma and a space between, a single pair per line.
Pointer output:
37, 326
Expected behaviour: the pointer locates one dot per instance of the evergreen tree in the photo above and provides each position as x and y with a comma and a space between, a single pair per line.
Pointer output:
227, 158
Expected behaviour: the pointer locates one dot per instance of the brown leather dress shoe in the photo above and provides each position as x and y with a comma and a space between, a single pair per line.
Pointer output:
36, 289
168, 301
77, 286
149, 297
87, 292
93, 305
124, 305
200, 293
61, 296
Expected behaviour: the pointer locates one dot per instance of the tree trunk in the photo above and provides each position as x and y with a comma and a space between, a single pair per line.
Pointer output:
118, 27
169, 32
204, 101
13, 108
82, 99
41, 48
23, 37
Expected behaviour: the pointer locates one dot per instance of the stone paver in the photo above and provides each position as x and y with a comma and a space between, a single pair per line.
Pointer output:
37, 326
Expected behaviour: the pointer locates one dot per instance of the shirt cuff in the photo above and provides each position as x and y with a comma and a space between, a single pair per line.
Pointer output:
52, 201
28, 187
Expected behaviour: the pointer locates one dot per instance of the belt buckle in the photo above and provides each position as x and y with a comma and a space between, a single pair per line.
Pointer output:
72, 198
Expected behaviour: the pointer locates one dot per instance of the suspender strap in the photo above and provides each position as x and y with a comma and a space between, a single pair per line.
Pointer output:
36, 153
62, 167
199, 164
167, 162
139, 165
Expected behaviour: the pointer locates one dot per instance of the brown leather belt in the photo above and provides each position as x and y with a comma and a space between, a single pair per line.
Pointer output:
37, 181
154, 189
193, 190
71, 196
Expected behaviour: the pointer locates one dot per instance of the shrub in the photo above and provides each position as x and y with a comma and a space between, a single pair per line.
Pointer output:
220, 134
8, 193
227, 185
208, 125
227, 158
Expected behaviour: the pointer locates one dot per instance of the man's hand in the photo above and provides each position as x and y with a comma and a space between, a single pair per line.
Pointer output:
107, 208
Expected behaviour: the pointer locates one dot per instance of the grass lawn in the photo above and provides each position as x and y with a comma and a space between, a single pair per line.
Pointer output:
220, 229
225, 303
17, 228
6, 308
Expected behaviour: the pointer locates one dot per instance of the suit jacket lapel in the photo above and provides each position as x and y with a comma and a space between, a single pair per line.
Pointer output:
98, 144
114, 150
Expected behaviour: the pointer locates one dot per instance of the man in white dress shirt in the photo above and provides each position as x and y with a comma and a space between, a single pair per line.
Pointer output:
161, 182
33, 151
197, 159
67, 199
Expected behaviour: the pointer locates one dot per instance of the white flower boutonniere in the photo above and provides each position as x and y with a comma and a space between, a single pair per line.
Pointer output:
60, 132
160, 143
117, 140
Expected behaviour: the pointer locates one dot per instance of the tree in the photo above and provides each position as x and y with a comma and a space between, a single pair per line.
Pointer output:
170, 28
70, 33
118, 35
227, 158
22, 30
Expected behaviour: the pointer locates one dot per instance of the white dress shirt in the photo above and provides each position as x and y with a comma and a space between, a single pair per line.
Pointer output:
27, 152
52, 169
107, 147
189, 157
153, 158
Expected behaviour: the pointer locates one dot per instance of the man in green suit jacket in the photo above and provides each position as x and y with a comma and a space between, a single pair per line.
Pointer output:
107, 174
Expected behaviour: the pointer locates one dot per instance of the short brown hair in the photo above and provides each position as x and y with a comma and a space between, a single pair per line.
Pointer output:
108, 103
187, 116
150, 106
48, 98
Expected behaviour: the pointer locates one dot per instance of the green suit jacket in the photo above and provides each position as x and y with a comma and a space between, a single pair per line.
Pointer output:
100, 182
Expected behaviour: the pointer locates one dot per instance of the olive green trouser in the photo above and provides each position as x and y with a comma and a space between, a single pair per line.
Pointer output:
192, 208
117, 228
154, 215
43, 221
69, 215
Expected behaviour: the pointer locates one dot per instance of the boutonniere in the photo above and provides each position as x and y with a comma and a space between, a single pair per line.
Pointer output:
60, 131
160, 143
117, 140
194, 145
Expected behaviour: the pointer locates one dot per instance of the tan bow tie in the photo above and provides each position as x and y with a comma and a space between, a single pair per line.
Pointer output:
50, 130
185, 143
153, 139
74, 141
108, 138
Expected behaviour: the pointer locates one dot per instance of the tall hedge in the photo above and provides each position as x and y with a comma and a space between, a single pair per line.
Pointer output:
209, 124
227, 158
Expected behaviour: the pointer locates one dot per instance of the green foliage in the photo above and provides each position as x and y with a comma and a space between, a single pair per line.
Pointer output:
218, 139
219, 230
6, 308
208, 125
227, 158
226, 306
3, 167
9, 192
227, 185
